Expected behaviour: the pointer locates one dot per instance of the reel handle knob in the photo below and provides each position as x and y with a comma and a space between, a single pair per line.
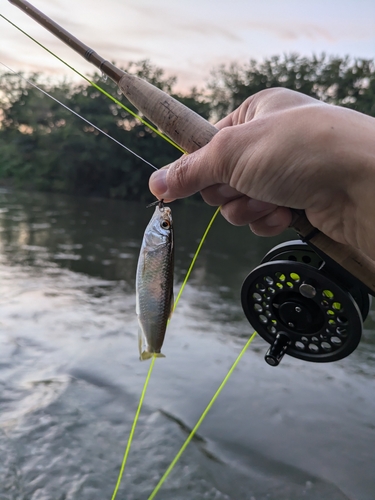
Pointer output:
277, 350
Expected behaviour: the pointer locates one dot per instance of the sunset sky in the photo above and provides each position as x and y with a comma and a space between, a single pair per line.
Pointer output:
188, 37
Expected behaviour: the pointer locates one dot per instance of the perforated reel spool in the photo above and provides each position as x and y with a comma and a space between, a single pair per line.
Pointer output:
300, 310
299, 251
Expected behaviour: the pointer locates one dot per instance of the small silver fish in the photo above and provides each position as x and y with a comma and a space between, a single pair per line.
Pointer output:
154, 282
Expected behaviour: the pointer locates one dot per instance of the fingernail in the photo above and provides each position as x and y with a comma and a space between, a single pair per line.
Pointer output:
158, 183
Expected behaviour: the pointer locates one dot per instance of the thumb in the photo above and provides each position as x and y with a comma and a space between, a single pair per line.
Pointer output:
186, 176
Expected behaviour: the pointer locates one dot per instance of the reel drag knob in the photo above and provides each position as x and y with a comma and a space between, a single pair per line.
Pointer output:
301, 311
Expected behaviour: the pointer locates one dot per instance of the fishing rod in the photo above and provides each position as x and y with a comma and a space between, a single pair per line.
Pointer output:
312, 317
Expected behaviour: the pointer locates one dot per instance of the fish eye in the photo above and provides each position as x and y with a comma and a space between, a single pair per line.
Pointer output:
165, 224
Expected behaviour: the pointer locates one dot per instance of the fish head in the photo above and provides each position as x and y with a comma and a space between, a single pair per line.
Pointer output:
160, 227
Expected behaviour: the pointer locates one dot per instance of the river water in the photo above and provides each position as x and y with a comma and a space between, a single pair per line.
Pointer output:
70, 378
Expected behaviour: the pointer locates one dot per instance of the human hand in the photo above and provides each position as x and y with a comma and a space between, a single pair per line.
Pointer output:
279, 150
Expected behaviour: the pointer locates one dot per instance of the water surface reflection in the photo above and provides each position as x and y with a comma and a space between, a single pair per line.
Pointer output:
70, 376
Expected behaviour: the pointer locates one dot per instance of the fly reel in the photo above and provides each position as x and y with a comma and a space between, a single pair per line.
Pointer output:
305, 305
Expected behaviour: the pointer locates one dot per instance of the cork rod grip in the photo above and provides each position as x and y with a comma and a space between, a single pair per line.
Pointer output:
180, 123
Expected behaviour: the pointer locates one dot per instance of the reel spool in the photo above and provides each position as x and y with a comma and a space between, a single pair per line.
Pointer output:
298, 303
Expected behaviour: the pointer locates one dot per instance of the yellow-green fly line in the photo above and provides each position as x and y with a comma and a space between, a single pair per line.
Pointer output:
132, 430
195, 258
201, 418
143, 394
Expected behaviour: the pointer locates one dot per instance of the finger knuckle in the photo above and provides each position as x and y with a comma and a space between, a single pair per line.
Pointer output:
219, 153
179, 173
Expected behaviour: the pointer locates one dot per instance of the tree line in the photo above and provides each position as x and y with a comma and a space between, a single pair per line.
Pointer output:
45, 147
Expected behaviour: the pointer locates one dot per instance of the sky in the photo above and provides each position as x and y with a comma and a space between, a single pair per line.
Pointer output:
188, 38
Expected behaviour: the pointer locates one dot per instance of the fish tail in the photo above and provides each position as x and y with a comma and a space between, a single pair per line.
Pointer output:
147, 355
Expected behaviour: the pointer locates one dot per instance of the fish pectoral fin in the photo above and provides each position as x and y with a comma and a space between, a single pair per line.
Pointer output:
148, 355
140, 338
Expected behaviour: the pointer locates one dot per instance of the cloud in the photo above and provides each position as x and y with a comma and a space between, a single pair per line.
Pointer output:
186, 38
113, 50
209, 29
292, 31
178, 31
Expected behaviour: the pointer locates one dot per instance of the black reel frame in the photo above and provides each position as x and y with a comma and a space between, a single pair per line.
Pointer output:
304, 304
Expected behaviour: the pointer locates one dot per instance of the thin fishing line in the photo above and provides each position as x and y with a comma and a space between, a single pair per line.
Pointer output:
202, 417
134, 425
119, 103
79, 116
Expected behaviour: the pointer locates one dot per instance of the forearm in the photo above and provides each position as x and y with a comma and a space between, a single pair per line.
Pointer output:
350, 137
362, 189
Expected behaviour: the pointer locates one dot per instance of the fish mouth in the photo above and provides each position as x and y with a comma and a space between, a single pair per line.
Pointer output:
166, 215
167, 212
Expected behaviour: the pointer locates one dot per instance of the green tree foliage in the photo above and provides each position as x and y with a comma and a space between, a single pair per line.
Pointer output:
335, 80
43, 146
